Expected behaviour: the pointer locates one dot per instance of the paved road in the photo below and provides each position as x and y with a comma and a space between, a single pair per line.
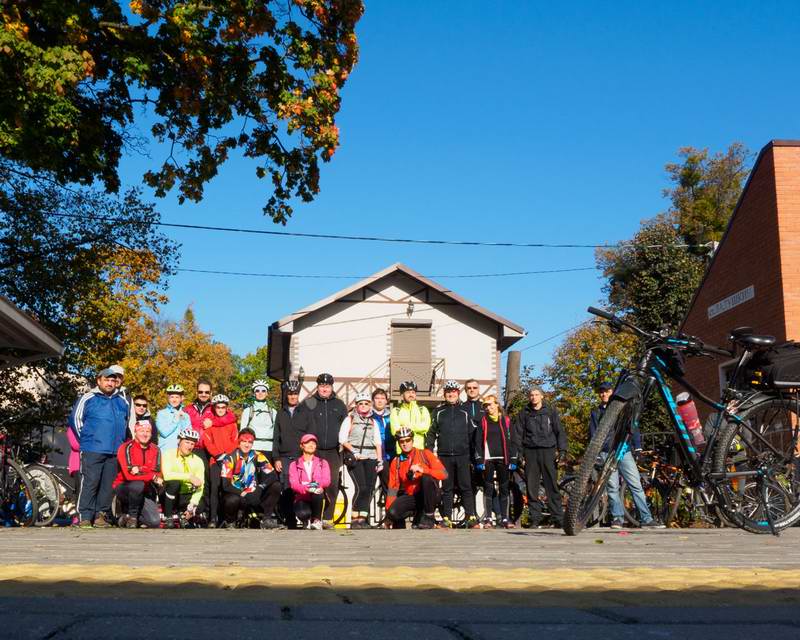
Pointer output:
467, 585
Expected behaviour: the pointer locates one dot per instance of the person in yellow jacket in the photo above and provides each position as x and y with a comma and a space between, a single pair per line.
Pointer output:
183, 474
409, 414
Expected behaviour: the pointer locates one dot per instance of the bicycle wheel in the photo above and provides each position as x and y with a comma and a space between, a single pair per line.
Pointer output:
48, 493
341, 496
19, 497
771, 491
590, 481
598, 514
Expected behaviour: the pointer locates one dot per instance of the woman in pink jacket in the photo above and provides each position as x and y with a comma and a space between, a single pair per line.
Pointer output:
309, 476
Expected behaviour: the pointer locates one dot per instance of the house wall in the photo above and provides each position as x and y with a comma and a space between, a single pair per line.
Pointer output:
761, 249
352, 339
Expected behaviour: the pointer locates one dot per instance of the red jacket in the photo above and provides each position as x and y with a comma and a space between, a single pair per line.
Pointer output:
398, 473
222, 437
131, 454
197, 416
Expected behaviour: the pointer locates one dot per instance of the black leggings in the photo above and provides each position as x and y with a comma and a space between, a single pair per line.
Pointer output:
263, 500
334, 460
458, 474
131, 496
213, 492
309, 509
175, 502
363, 475
423, 501
541, 464
500, 469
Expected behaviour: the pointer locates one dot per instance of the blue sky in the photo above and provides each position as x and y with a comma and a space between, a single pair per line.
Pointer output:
497, 121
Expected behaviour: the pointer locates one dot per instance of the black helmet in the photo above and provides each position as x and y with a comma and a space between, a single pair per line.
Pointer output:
292, 386
324, 378
408, 385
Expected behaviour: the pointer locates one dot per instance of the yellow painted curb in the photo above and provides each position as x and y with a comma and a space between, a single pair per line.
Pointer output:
411, 578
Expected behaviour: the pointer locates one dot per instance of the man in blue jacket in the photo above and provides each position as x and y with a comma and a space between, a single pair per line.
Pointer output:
99, 421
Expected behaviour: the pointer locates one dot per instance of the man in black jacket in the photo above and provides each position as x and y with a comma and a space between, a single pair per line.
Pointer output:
326, 413
291, 424
473, 403
537, 433
451, 433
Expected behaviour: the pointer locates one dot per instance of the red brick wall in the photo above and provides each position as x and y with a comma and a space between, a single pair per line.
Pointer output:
787, 181
749, 254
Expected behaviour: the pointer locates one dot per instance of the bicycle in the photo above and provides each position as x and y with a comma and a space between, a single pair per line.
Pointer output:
747, 469
18, 505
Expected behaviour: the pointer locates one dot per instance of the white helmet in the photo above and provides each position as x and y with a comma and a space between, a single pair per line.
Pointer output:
363, 397
220, 398
452, 385
260, 383
189, 434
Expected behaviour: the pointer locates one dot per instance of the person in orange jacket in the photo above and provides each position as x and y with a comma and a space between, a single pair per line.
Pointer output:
414, 478
220, 439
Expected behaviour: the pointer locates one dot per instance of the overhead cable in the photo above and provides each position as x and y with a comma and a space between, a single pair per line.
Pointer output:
342, 277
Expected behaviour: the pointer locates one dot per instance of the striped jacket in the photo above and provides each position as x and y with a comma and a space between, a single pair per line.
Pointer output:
100, 422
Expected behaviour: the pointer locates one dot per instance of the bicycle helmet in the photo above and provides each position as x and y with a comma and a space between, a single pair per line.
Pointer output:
220, 398
292, 386
189, 434
175, 388
363, 397
260, 384
408, 385
324, 378
403, 432
452, 385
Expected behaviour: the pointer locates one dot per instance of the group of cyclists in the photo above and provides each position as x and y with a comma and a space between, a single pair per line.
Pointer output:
281, 467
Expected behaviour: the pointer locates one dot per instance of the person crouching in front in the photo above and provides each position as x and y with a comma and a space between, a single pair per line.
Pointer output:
414, 478
309, 476
249, 483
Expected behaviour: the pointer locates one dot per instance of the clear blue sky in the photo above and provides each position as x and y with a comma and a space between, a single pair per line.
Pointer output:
498, 121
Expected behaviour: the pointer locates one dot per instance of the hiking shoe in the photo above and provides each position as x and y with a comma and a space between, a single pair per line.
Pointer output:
507, 524
130, 522
172, 523
487, 523
85, 524
447, 523
269, 523
426, 522
317, 525
326, 525
100, 521
617, 523
473, 523
653, 524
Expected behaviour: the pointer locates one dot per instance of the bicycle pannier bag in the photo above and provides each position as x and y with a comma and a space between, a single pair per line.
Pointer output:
777, 367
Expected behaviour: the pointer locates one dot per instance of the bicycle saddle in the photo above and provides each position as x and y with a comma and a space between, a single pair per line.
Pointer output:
754, 341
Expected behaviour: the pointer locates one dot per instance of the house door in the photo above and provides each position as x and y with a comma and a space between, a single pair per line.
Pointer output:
411, 354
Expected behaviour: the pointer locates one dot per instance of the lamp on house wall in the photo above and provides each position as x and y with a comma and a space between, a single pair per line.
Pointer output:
410, 308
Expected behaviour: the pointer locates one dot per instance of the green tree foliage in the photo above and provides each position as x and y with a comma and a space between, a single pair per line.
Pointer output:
82, 279
705, 191
247, 369
162, 352
206, 76
653, 277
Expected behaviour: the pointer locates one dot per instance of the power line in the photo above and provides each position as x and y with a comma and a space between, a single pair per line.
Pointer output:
343, 277
329, 236
553, 337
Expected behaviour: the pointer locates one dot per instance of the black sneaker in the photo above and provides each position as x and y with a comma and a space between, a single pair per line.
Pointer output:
131, 522
653, 524
617, 523
426, 522
269, 523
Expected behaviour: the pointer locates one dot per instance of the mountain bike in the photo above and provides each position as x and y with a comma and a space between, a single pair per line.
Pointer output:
748, 466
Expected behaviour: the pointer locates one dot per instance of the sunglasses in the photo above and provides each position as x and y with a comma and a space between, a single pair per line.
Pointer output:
472, 388
402, 440
203, 393
140, 404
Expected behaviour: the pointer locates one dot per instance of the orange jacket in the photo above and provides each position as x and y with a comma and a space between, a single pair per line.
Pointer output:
222, 437
399, 468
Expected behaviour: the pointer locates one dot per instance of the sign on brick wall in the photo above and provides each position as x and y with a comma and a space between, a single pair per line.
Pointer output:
731, 301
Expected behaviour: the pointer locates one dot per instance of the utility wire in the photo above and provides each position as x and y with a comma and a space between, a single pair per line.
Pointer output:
336, 277
329, 236
554, 336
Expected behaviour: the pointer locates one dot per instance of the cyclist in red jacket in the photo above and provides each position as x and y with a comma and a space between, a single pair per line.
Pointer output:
139, 479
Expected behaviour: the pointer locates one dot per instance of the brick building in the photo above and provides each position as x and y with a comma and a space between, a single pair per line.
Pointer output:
754, 277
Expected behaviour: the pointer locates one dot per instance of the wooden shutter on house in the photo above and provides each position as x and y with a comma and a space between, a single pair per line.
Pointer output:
411, 354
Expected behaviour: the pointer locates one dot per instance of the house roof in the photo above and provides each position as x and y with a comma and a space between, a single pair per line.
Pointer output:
401, 268
22, 339
710, 267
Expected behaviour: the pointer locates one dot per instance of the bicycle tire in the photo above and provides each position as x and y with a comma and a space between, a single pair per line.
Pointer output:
48, 494
774, 419
597, 516
346, 503
19, 495
582, 503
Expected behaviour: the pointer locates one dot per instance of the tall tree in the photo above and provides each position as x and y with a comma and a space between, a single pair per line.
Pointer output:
82, 279
161, 352
207, 77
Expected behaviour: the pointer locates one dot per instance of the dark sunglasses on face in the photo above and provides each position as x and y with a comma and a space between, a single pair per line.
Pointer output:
203, 393
140, 404
402, 440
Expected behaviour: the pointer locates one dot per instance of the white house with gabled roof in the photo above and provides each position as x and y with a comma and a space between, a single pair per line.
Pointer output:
393, 326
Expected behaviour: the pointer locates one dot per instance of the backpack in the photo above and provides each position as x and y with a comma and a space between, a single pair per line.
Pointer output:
777, 367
